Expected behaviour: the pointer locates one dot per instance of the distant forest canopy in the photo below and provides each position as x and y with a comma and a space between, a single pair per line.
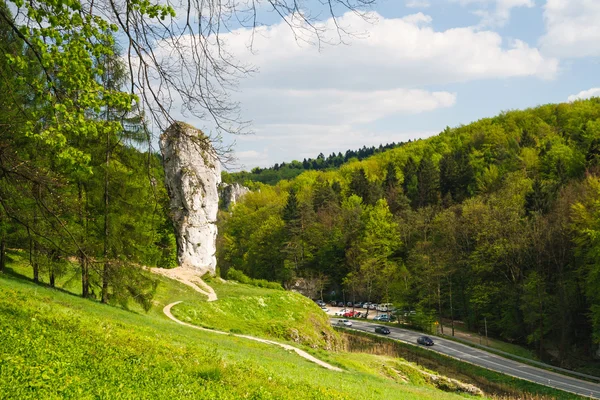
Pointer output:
498, 220
290, 170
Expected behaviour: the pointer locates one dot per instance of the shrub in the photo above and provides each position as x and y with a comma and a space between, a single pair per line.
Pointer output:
235, 275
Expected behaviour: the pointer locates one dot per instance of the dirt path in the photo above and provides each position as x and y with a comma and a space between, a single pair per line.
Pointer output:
301, 353
190, 277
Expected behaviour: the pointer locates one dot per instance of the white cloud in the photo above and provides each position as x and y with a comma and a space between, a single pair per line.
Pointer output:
495, 13
398, 53
585, 94
418, 4
334, 106
304, 101
572, 28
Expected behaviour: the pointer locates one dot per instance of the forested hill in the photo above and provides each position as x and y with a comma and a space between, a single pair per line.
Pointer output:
499, 219
290, 170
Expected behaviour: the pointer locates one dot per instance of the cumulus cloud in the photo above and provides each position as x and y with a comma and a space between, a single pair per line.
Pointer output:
585, 94
399, 68
495, 13
572, 28
335, 106
401, 52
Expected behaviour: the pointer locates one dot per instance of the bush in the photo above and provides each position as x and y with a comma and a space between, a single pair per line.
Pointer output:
235, 275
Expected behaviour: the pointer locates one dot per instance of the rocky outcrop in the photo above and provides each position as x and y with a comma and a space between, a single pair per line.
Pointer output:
231, 193
192, 173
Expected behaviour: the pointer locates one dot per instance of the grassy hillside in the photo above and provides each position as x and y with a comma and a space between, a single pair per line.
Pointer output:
252, 310
56, 345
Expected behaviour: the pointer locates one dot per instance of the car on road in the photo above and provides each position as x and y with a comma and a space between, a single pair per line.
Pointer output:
382, 329
425, 341
344, 322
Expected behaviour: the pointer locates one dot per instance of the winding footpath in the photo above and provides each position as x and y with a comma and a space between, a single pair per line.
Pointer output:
301, 353
190, 277
187, 276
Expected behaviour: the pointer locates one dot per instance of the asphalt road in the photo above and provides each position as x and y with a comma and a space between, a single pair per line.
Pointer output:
490, 361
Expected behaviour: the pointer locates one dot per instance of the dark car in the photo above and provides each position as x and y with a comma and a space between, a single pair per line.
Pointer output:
425, 341
333, 303
340, 304
382, 329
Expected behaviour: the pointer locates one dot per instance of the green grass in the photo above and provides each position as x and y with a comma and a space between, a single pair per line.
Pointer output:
56, 345
262, 312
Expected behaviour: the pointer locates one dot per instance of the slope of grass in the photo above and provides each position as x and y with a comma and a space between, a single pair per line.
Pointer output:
56, 345
262, 312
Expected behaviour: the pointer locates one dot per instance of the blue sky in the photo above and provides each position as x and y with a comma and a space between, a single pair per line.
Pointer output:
414, 68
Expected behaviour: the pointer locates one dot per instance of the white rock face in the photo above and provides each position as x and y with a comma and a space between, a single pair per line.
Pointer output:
192, 174
230, 194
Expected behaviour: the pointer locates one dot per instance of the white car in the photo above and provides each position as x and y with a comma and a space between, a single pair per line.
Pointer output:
341, 312
385, 307
344, 322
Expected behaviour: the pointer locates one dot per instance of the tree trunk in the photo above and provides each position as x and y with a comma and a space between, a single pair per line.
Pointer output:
33, 259
52, 276
541, 349
85, 279
2, 254
439, 290
106, 271
451, 307
52, 270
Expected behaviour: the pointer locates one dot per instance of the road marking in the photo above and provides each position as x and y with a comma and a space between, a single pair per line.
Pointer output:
540, 379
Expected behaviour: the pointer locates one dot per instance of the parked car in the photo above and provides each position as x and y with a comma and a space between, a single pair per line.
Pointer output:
341, 312
320, 303
385, 307
349, 304
425, 341
384, 318
344, 322
382, 329
340, 304
358, 305
372, 306
324, 308
333, 303
351, 314
366, 305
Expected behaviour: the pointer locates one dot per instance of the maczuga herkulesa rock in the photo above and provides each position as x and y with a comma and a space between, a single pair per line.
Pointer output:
192, 174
